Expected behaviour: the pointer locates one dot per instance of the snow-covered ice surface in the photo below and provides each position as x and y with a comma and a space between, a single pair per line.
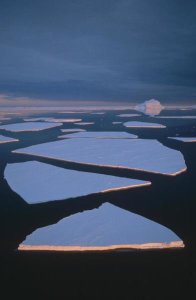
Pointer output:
143, 125
102, 135
84, 123
128, 115
151, 107
6, 139
108, 225
29, 126
148, 155
184, 139
73, 130
39, 182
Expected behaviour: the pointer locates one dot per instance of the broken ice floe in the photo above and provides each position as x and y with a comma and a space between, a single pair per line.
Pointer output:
128, 115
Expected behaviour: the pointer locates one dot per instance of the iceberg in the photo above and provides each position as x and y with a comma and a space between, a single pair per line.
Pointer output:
138, 154
151, 107
39, 182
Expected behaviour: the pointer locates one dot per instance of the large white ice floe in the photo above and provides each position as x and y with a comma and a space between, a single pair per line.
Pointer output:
29, 126
151, 107
147, 155
108, 225
6, 139
39, 182
184, 139
102, 135
135, 124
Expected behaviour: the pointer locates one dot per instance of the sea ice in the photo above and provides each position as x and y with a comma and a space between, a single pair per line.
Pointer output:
176, 117
148, 155
184, 139
39, 182
102, 135
143, 125
115, 123
84, 123
128, 115
108, 225
53, 120
29, 126
73, 130
151, 107
6, 139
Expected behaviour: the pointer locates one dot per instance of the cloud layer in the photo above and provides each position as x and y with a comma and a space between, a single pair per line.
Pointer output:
98, 50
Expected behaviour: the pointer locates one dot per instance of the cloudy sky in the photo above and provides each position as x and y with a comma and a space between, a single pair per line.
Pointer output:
100, 50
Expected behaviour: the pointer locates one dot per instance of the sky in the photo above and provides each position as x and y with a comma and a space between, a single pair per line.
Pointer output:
66, 51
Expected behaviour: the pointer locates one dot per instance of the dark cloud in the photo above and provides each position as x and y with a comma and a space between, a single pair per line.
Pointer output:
126, 50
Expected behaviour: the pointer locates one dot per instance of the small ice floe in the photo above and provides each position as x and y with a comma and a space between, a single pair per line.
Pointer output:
29, 126
102, 135
73, 130
84, 123
39, 182
4, 119
139, 154
184, 139
115, 123
37, 119
53, 120
128, 115
176, 117
106, 226
6, 139
98, 113
64, 120
151, 107
133, 124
